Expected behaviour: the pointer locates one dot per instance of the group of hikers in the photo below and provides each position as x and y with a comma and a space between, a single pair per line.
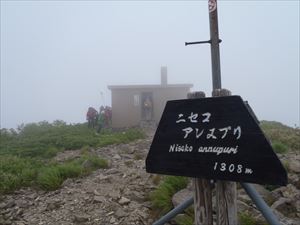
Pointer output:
99, 120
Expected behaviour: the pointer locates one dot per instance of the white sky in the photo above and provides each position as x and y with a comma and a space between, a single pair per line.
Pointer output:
57, 57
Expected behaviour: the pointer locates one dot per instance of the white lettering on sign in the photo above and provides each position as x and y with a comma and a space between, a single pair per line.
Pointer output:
193, 129
218, 150
213, 133
193, 118
180, 119
187, 131
180, 148
207, 116
225, 130
232, 168
237, 131
248, 171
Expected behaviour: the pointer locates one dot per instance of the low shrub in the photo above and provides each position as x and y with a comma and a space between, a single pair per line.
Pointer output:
279, 147
246, 219
70, 170
280, 133
187, 218
16, 172
49, 178
44, 140
161, 198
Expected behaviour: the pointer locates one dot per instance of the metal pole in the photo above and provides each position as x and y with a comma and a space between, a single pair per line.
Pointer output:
226, 193
260, 203
180, 208
214, 38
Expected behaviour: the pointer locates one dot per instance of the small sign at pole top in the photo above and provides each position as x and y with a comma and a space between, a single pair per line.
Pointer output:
213, 138
212, 5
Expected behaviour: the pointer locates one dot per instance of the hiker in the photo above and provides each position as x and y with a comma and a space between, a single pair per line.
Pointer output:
148, 108
108, 115
100, 121
91, 117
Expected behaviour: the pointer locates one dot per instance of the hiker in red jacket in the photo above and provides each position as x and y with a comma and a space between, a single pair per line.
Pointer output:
91, 117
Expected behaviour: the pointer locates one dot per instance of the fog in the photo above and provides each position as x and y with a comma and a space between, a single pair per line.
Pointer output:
57, 58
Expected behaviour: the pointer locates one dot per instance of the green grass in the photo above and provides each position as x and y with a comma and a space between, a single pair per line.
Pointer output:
45, 140
16, 172
279, 147
161, 198
282, 137
51, 177
246, 219
26, 153
187, 218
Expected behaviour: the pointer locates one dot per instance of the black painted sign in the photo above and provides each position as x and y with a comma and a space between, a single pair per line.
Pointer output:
213, 138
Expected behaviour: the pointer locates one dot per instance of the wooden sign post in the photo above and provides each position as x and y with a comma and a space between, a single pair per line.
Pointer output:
226, 191
202, 190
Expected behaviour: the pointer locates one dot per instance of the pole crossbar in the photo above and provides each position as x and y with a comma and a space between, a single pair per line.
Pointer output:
200, 42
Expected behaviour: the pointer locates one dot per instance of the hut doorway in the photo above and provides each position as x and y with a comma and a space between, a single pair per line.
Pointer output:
147, 106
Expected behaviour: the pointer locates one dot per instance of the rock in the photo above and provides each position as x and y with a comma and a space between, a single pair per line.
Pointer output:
242, 206
112, 220
244, 198
19, 212
117, 157
181, 196
142, 214
120, 213
19, 223
10, 203
104, 178
22, 203
114, 194
53, 205
67, 182
110, 213
124, 201
2, 205
87, 164
6, 222
111, 171
99, 199
81, 218
266, 194
290, 191
294, 179
285, 206
245, 207
294, 165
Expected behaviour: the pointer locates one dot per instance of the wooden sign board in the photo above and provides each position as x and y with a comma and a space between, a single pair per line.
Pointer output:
213, 138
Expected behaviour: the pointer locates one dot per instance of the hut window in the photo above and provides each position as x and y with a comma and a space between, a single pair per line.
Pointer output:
136, 100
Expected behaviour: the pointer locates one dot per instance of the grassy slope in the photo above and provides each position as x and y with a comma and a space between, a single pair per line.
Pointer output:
25, 155
282, 137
